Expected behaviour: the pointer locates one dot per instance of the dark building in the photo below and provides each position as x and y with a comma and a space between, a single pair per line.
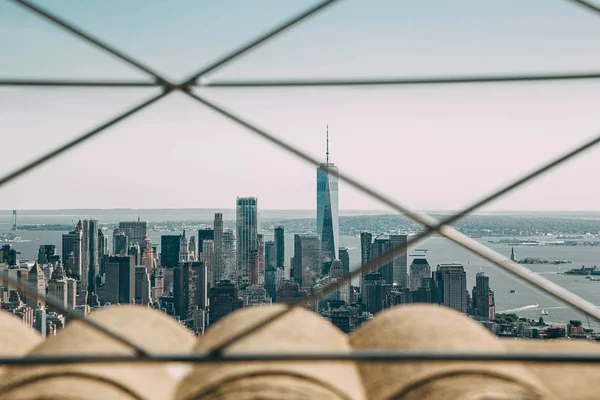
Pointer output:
483, 298
344, 256
120, 243
8, 255
374, 292
419, 270
340, 317
201, 284
421, 295
224, 299
271, 282
135, 252
170, 246
102, 244
204, 234
270, 259
120, 279
185, 280
279, 247
451, 280
381, 245
366, 240
47, 254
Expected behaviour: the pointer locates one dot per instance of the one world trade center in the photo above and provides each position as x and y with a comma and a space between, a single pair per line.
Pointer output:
327, 208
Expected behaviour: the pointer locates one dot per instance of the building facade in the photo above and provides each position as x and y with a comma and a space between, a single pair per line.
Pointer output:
453, 286
419, 270
246, 234
136, 231
307, 260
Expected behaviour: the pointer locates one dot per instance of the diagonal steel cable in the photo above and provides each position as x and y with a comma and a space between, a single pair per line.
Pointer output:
586, 4
430, 223
260, 40
90, 39
79, 140
435, 80
30, 291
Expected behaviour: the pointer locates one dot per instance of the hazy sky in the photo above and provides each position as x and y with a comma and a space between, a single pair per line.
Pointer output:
428, 147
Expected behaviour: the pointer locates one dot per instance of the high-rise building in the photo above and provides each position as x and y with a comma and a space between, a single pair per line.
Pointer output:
374, 293
229, 271
254, 295
136, 252
193, 248
307, 259
419, 270
290, 292
120, 243
246, 234
71, 293
142, 285
252, 268
40, 320
120, 279
261, 254
218, 239
270, 256
207, 256
271, 281
72, 253
279, 239
483, 298
91, 265
381, 245
185, 278
337, 272
454, 286
202, 285
47, 254
204, 234
58, 291
102, 244
170, 246
148, 256
399, 265
327, 208
366, 248
36, 280
184, 252
344, 257
136, 231
224, 299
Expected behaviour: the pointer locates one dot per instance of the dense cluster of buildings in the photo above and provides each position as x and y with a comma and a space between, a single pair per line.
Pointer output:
202, 277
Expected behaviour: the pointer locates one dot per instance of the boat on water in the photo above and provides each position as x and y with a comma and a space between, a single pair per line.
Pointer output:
512, 290
544, 312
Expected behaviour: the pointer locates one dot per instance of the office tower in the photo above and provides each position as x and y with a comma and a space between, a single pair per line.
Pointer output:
58, 291
344, 257
36, 281
454, 286
483, 298
290, 292
218, 264
207, 256
381, 245
14, 220
102, 244
279, 240
229, 253
373, 296
202, 284
204, 234
40, 320
252, 268
419, 270
184, 289
193, 248
170, 246
157, 284
246, 221
261, 253
148, 256
366, 247
47, 254
337, 272
270, 256
307, 259
271, 281
399, 265
327, 208
8, 255
71, 293
91, 266
224, 299
136, 253
183, 248
136, 231
142, 285
120, 279
120, 243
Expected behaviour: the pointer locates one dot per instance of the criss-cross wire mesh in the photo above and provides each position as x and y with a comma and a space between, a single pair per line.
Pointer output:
430, 224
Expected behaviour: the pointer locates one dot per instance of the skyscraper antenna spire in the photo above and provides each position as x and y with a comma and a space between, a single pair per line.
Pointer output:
327, 160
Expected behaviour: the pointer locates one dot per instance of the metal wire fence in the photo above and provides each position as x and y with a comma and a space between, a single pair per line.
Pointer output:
430, 224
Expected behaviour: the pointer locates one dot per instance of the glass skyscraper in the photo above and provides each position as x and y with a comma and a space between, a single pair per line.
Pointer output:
246, 221
327, 208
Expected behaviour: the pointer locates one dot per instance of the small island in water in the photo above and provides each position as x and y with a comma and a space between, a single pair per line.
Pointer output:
584, 271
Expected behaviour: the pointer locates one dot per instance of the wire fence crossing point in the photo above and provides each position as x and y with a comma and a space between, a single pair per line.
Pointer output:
430, 224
